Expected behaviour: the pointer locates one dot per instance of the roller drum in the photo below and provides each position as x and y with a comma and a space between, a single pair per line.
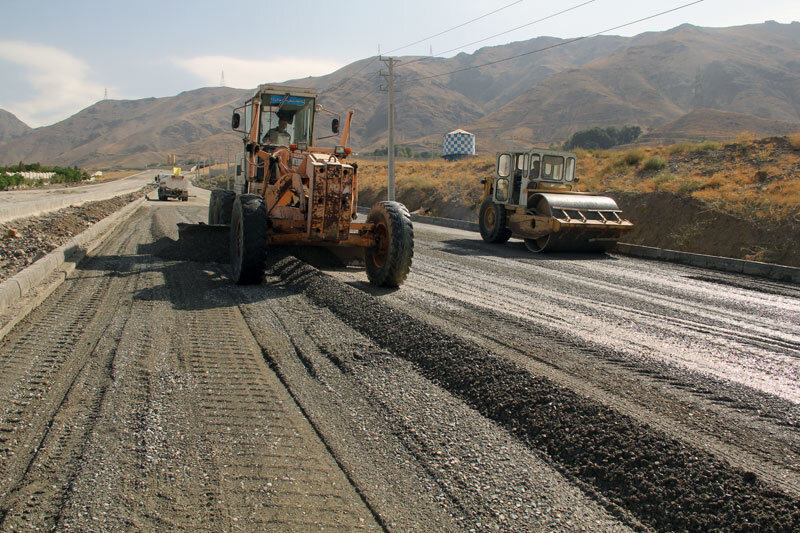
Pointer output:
573, 239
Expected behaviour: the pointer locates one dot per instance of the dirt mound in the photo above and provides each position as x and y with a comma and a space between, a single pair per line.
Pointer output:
676, 222
663, 483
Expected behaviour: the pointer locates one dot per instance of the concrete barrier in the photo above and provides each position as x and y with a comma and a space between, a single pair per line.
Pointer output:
14, 288
711, 262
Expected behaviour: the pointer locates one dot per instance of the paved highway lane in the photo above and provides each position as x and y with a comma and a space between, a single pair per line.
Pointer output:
31, 202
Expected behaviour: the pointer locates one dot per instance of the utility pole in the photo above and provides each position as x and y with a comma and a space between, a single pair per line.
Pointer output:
390, 61
228, 168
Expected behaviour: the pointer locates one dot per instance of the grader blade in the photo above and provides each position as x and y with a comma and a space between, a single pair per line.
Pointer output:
204, 242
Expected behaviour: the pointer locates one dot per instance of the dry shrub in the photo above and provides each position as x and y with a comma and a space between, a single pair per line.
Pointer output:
633, 157
717, 180
784, 193
745, 137
706, 146
688, 187
662, 179
794, 140
679, 147
654, 162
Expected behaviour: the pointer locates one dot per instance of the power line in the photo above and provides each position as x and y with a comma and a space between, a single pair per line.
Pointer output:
341, 83
456, 27
503, 33
563, 43
365, 65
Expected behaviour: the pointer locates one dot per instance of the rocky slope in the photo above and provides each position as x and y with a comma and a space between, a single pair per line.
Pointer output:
11, 127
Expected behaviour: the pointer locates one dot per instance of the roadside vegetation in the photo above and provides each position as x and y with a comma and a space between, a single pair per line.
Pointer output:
755, 179
11, 177
404, 151
603, 137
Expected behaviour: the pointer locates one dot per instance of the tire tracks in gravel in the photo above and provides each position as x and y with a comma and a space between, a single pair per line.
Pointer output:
55, 372
663, 482
746, 428
139, 400
197, 432
425, 460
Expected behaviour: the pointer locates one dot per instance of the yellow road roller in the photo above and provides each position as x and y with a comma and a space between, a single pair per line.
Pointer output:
531, 197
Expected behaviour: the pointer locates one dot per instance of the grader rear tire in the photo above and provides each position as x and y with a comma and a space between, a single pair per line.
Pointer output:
389, 261
248, 242
220, 206
492, 222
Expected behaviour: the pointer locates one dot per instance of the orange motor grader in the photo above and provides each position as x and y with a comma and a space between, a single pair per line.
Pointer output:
289, 191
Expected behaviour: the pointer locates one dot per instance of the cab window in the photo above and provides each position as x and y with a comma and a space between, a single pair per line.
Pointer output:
522, 162
535, 163
296, 111
501, 191
552, 167
504, 165
569, 171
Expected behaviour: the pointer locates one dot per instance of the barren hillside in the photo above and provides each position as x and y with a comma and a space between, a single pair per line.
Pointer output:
714, 125
136, 132
11, 127
658, 78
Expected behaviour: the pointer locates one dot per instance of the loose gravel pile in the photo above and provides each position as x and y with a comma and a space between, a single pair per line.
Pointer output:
664, 483
25, 240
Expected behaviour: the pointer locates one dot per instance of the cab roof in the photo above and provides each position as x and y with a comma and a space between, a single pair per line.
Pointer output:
284, 89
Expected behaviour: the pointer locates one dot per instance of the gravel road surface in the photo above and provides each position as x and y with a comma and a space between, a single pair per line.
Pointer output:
494, 391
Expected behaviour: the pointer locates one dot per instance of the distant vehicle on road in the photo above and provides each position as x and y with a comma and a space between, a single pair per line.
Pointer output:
172, 186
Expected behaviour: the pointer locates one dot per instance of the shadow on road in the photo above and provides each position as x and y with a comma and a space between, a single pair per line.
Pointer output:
515, 250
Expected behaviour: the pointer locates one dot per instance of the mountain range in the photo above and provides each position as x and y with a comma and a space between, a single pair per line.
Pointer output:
538, 91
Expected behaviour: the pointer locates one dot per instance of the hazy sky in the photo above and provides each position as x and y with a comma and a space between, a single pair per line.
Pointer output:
57, 57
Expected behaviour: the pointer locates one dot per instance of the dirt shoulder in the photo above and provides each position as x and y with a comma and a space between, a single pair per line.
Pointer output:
675, 222
25, 240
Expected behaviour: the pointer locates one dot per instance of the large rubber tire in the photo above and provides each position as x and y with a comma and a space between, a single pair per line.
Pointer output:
220, 206
492, 222
389, 261
248, 240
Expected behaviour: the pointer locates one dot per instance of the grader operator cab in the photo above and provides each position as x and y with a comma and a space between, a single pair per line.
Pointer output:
531, 197
288, 191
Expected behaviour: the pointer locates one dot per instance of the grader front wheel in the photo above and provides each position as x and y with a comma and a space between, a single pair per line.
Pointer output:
248, 239
389, 260
220, 206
